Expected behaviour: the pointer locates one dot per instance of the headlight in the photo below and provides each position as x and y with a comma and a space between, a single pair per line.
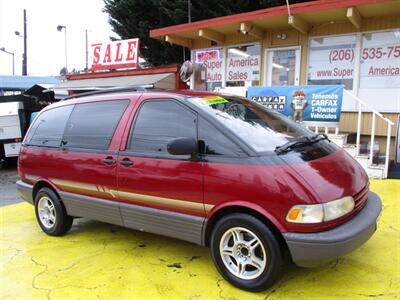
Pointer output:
317, 213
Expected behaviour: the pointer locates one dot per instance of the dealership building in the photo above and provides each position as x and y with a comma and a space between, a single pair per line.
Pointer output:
353, 43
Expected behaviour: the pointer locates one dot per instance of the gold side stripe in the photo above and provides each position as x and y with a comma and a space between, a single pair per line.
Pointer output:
208, 207
80, 187
165, 202
100, 190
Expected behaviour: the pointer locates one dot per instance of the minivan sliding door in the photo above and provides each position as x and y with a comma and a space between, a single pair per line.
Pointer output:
89, 185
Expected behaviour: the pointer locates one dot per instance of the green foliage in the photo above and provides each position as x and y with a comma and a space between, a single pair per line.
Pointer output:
133, 18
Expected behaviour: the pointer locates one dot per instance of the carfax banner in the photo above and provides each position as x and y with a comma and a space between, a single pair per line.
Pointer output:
311, 105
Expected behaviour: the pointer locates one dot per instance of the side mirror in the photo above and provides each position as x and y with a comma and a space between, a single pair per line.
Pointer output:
182, 146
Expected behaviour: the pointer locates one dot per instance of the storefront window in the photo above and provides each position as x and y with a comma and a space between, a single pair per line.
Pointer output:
243, 65
331, 60
209, 66
380, 60
282, 66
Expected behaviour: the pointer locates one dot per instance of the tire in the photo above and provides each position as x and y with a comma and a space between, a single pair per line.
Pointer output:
252, 258
51, 214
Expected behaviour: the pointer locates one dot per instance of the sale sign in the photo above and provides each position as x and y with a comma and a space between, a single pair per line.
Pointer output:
214, 69
213, 62
205, 55
332, 58
243, 68
328, 64
380, 61
311, 105
117, 54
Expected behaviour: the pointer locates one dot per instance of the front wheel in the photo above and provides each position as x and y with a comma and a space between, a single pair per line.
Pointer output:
51, 214
246, 252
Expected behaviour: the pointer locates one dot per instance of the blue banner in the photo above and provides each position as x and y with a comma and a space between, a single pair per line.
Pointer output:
312, 105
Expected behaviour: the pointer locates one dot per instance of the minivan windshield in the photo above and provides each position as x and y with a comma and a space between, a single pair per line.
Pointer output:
263, 129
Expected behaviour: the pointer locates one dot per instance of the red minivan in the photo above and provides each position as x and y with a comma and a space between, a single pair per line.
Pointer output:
212, 169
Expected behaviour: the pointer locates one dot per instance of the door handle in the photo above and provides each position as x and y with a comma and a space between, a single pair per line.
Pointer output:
109, 160
126, 162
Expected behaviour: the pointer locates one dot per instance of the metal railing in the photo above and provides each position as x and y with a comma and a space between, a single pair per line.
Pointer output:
375, 113
327, 129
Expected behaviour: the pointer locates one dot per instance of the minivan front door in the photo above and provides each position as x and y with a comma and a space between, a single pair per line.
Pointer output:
160, 192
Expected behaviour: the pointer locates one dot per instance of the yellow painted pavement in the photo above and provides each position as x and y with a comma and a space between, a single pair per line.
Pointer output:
101, 261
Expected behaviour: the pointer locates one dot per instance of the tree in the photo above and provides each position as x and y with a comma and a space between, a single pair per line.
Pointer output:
63, 71
134, 18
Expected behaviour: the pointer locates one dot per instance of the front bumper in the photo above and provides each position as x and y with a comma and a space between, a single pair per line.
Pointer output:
25, 191
313, 249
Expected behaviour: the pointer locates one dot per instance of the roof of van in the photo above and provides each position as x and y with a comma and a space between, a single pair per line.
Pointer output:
137, 90
118, 95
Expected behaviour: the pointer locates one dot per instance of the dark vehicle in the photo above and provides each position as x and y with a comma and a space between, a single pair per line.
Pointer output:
16, 114
215, 170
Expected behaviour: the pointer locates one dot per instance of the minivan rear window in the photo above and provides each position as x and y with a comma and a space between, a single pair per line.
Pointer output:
92, 125
262, 129
48, 128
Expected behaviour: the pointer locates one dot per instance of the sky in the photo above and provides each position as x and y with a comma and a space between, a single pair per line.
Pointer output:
46, 54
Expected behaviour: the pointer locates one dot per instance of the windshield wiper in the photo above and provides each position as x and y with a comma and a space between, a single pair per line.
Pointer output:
301, 141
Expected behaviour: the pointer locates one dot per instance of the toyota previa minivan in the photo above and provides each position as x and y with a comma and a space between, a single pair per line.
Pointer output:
220, 171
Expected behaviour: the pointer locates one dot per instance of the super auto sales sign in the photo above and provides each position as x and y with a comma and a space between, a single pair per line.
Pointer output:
117, 54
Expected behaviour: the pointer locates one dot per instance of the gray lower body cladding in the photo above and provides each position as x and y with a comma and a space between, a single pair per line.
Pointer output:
25, 191
93, 208
306, 249
158, 221
176, 225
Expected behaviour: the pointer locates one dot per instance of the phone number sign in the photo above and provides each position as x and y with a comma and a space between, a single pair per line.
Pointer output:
379, 65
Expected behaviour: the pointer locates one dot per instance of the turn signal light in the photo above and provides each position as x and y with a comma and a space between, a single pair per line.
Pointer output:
317, 213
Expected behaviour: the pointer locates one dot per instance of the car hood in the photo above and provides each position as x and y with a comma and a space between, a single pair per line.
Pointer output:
333, 176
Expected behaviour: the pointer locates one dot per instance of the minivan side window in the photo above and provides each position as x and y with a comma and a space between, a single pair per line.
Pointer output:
48, 128
92, 125
157, 123
213, 142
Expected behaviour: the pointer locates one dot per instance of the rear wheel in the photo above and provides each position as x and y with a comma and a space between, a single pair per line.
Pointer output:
246, 252
51, 214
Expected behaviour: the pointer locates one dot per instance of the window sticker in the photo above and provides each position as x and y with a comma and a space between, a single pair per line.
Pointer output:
211, 100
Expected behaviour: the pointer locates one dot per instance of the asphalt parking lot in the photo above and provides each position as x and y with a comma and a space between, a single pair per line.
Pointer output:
101, 261
8, 177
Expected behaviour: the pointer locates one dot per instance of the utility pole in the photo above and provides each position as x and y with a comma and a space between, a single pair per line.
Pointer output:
189, 11
60, 28
189, 7
24, 61
87, 53
65, 43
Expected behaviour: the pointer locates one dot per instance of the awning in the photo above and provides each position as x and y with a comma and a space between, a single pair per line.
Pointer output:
254, 24
160, 81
